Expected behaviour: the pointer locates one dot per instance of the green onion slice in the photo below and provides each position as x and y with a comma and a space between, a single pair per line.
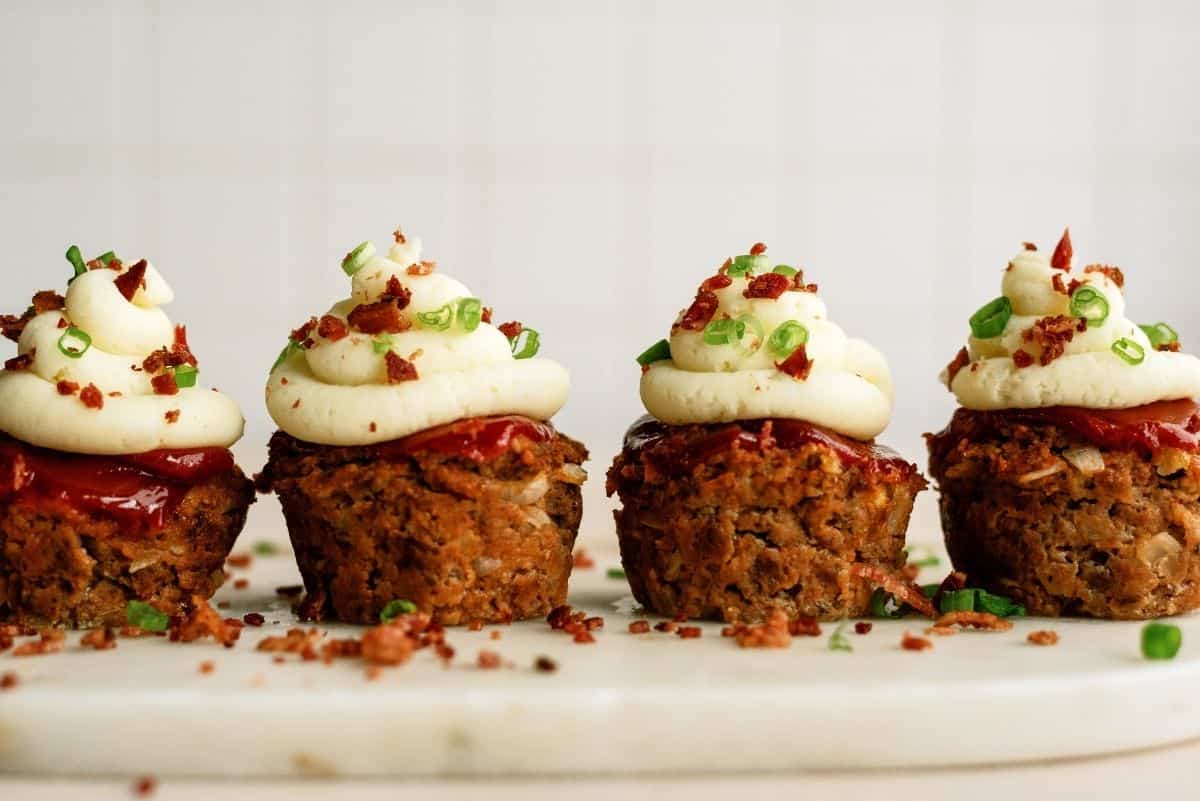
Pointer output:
615, 573
1159, 334
991, 319
748, 323
786, 337
784, 269
921, 556
396, 608
74, 343
976, 600
721, 332
106, 258
382, 344
146, 617
526, 344
748, 265
658, 352
1089, 304
357, 259
1161, 640
438, 319
884, 605
265, 548
76, 259
185, 376
469, 313
291, 347
838, 641
1129, 351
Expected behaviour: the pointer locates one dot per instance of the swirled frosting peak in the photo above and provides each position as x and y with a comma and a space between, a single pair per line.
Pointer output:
410, 349
1059, 336
104, 371
756, 342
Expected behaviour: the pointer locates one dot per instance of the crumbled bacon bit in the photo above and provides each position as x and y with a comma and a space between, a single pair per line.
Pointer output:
773, 633
797, 365
398, 235
666, 626
296, 405
62, 323
688, 632
295, 641
1029, 246
911, 642
1061, 260
301, 335
1022, 359
1059, 285
798, 284
495, 634
381, 317
100, 639
130, 281
488, 660
486, 315
399, 370
1043, 637
1113, 274
145, 787
67, 387
544, 664
639, 627
92, 397
1168, 347
582, 560
718, 281
241, 584
976, 620
48, 300
904, 592
424, 268
172, 416
207, 666
373, 427
512, 329
394, 642
22, 362
804, 626
398, 292
584, 637
1053, 334
9, 680
700, 312
475, 625
960, 360
203, 621
767, 285
12, 326
333, 328
757, 249
863, 627
50, 641
240, 560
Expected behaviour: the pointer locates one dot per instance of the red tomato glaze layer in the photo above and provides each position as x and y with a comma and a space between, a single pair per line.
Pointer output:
477, 438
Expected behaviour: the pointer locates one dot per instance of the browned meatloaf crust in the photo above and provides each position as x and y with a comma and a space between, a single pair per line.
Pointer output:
1023, 521
729, 522
464, 540
61, 566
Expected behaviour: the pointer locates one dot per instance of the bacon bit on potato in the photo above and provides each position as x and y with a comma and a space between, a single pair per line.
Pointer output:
1061, 260
333, 328
960, 360
757, 249
92, 397
700, 312
797, 365
130, 281
767, 285
381, 317
1113, 274
399, 369
1022, 359
511, 329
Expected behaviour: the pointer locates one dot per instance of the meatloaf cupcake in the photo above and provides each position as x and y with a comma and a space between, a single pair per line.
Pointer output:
116, 482
1070, 476
755, 483
415, 461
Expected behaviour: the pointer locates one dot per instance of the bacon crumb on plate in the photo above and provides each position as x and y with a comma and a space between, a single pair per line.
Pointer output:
1043, 637
488, 660
99, 639
544, 664
984, 621
207, 666
240, 560
9, 680
253, 619
582, 560
689, 632
144, 787
911, 642
863, 627
639, 627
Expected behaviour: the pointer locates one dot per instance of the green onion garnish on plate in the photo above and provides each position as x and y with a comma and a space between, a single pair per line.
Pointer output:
74, 342
615, 573
357, 259
76, 259
1129, 351
265, 548
1160, 334
146, 617
1161, 640
1089, 304
469, 313
185, 376
526, 344
838, 641
991, 318
660, 351
396, 608
438, 320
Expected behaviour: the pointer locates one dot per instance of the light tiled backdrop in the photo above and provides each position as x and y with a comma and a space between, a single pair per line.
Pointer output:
582, 165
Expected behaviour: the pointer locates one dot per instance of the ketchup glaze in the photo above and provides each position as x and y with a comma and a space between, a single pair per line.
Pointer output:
477, 438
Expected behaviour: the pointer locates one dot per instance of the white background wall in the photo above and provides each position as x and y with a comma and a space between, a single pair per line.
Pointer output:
583, 165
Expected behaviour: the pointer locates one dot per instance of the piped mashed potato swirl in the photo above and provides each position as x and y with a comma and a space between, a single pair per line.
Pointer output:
847, 387
1107, 362
80, 385
345, 380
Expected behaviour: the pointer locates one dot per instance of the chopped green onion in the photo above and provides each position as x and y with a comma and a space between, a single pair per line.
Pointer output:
722, 332
930, 590
438, 319
146, 617
1130, 351
76, 259
185, 376
615, 573
838, 641
526, 344
106, 258
928, 559
397, 608
958, 601
786, 337
382, 344
264, 548
1089, 304
884, 605
1159, 334
784, 269
991, 318
469, 313
748, 265
74, 343
750, 323
976, 600
658, 352
291, 347
357, 259
1161, 640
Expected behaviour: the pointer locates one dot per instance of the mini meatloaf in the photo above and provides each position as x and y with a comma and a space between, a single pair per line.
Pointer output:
81, 536
471, 521
1075, 512
732, 521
